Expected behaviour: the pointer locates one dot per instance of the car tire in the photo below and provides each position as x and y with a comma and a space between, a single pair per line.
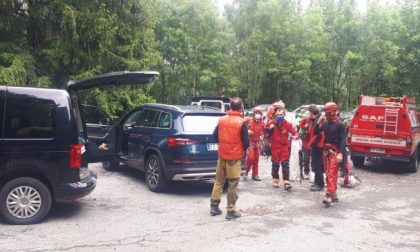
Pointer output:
155, 179
358, 161
414, 162
110, 165
25, 201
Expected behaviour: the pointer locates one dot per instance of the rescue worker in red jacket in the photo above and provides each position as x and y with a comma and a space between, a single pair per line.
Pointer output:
255, 131
279, 129
231, 133
271, 115
334, 147
316, 143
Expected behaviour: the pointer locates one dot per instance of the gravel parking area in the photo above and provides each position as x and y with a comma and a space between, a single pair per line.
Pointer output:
381, 214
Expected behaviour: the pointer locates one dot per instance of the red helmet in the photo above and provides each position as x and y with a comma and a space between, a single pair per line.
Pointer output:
330, 107
273, 108
258, 110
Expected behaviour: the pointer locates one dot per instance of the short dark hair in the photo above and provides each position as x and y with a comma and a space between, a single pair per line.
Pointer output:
235, 103
313, 109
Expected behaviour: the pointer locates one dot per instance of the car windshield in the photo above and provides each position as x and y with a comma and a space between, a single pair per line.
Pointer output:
200, 124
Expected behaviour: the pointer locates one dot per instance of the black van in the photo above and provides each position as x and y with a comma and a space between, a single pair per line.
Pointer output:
44, 150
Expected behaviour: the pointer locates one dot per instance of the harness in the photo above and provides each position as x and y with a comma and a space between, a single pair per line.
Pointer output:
331, 148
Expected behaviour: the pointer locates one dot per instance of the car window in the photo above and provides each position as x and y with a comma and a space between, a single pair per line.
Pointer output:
29, 118
94, 115
214, 104
133, 117
203, 124
165, 120
148, 118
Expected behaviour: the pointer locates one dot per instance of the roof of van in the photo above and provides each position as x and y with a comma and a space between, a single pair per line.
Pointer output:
217, 98
52, 94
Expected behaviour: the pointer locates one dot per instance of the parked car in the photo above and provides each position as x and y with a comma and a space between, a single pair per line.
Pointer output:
44, 152
167, 142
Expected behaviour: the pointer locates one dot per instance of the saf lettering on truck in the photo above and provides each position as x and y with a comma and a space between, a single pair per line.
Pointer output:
387, 128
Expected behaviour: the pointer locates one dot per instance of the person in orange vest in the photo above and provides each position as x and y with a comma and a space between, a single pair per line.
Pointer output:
231, 133
255, 131
279, 130
316, 143
334, 147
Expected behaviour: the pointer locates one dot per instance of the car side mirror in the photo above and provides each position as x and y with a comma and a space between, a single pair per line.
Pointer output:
129, 126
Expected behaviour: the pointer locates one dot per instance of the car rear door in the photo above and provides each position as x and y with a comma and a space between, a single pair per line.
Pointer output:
104, 148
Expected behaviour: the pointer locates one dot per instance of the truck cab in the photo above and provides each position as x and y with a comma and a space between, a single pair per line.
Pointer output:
386, 128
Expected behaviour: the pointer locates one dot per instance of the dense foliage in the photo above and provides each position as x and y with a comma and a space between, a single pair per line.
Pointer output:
260, 50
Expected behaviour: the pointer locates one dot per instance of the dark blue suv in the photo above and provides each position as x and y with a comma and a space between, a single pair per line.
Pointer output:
167, 142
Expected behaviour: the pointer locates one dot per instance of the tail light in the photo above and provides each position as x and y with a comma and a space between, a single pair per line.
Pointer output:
76, 155
174, 142
409, 141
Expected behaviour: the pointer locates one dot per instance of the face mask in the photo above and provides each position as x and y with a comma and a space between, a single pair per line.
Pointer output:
279, 118
257, 116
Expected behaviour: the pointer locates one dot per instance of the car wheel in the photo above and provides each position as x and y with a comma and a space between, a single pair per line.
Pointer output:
155, 178
24, 201
414, 162
110, 165
358, 161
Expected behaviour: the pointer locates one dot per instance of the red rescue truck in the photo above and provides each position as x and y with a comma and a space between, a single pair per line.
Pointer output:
387, 128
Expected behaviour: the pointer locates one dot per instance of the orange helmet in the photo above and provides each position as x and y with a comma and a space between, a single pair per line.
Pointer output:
330, 107
258, 110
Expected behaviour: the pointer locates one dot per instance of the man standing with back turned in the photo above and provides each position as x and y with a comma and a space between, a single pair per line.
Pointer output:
231, 133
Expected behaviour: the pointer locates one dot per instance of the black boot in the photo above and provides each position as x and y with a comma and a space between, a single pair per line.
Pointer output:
327, 201
232, 215
215, 210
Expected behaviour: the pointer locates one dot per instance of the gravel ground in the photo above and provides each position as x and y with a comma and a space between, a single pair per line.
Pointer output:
380, 214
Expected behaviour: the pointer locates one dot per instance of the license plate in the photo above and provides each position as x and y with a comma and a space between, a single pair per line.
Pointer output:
376, 150
212, 147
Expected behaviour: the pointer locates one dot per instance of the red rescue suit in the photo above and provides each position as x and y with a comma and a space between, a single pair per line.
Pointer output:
331, 165
280, 141
333, 146
256, 126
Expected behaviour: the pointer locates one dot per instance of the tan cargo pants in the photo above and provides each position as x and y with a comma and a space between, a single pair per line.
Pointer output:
230, 170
